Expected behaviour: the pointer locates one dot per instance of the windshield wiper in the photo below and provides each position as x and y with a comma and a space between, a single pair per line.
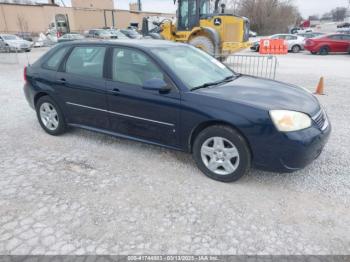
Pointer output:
226, 79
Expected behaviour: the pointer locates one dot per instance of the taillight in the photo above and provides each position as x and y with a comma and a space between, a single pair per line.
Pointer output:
25, 74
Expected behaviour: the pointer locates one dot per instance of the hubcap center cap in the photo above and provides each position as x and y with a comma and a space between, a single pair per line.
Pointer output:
220, 155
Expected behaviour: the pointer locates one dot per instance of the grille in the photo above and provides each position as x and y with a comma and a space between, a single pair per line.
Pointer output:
231, 33
321, 120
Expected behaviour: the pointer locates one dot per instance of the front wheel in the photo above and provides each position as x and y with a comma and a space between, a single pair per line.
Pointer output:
204, 43
222, 154
324, 50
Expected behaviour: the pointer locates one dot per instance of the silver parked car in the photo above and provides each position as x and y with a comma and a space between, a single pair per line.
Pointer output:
15, 43
100, 34
295, 42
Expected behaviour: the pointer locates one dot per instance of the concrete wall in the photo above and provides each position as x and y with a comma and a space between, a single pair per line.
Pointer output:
38, 18
100, 4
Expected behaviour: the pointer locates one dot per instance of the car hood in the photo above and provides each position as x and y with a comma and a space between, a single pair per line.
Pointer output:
265, 94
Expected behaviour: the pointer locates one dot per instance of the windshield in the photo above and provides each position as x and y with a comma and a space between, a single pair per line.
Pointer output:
132, 32
193, 66
102, 32
77, 36
10, 37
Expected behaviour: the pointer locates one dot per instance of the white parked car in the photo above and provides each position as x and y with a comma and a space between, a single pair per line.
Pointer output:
15, 43
295, 43
252, 34
298, 30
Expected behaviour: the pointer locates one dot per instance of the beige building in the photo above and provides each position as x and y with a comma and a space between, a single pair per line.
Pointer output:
83, 15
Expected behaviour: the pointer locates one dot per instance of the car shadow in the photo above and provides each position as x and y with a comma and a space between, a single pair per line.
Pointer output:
255, 176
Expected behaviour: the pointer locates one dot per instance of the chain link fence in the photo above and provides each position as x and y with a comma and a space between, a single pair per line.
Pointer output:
255, 65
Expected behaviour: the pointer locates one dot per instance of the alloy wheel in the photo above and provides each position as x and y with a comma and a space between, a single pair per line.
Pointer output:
220, 156
49, 116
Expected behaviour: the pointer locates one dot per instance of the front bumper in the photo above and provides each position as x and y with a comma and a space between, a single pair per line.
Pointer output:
294, 150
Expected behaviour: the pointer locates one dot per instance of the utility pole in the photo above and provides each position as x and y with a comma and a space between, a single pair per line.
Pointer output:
139, 5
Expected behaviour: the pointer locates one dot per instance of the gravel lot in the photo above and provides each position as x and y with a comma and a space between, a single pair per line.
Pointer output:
87, 193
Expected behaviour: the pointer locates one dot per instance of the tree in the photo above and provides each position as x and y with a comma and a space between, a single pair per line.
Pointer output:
314, 17
327, 16
270, 16
339, 13
22, 23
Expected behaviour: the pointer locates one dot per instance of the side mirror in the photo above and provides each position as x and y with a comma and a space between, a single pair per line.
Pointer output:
156, 84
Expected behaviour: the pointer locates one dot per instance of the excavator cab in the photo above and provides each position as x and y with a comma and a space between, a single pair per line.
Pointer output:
191, 11
206, 25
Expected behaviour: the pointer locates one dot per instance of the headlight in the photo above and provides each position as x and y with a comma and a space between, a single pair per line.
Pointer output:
288, 121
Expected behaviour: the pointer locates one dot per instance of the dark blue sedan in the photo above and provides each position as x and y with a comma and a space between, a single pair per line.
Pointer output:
177, 96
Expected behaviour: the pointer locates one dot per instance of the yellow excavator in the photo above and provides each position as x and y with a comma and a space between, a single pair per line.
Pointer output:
204, 24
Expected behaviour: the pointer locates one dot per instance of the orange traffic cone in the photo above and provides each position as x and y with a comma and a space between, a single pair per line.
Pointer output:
320, 87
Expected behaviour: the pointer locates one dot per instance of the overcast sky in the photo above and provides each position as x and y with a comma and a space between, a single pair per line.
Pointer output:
306, 7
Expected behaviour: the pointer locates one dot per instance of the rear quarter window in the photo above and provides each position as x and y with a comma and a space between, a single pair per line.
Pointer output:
54, 61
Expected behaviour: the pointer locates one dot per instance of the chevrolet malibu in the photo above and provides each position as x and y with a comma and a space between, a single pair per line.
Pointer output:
176, 96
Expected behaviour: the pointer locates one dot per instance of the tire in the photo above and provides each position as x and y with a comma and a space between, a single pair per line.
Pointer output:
314, 53
208, 150
50, 116
324, 50
203, 43
296, 49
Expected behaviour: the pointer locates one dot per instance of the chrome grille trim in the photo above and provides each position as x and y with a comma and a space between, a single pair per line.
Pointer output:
321, 119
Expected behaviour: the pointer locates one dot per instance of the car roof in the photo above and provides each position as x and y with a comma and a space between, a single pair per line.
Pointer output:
141, 43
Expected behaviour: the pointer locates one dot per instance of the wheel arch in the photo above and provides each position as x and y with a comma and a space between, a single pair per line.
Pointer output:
212, 34
199, 128
298, 45
324, 46
38, 96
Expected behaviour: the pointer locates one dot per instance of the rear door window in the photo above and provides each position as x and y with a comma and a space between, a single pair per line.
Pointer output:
86, 61
336, 37
346, 37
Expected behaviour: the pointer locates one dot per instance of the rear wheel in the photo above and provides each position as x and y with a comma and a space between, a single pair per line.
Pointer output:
314, 53
221, 153
203, 43
324, 50
50, 116
296, 49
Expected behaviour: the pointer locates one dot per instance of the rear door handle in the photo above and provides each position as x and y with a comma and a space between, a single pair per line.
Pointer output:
115, 91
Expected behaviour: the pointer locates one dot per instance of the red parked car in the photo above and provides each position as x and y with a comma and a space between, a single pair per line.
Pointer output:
337, 43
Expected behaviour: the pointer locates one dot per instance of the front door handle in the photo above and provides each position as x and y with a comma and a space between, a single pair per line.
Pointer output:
62, 80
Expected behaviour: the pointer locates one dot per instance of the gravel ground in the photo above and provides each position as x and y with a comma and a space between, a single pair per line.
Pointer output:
87, 193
